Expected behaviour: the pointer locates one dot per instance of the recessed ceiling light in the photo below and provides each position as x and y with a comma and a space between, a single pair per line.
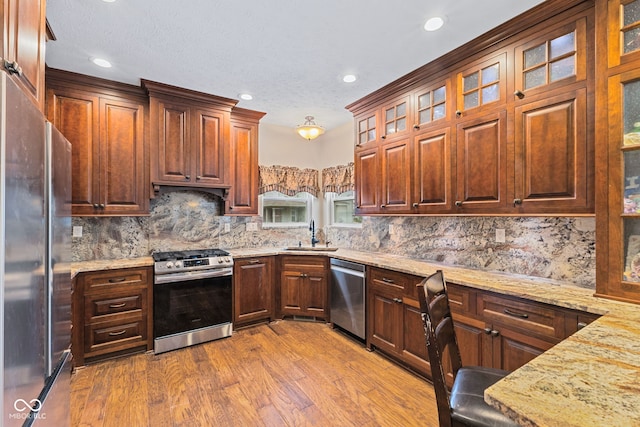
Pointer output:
349, 78
101, 62
108, 1
245, 96
434, 23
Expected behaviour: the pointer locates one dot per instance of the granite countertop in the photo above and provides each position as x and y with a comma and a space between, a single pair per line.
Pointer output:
590, 379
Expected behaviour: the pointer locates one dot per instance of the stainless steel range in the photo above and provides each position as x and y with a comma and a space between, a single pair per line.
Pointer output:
192, 298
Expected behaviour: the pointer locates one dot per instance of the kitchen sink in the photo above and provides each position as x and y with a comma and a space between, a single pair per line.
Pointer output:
309, 248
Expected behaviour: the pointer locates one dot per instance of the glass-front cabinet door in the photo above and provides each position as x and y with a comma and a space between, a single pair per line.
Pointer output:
482, 85
624, 252
624, 31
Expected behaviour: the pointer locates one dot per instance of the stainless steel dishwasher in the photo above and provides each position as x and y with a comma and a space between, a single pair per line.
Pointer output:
348, 296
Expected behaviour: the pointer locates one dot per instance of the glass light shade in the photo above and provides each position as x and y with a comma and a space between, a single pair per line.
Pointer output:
310, 130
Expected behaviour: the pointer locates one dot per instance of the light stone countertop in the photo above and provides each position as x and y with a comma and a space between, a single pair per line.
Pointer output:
590, 379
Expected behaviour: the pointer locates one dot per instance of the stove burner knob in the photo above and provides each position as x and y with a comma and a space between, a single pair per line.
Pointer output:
169, 264
220, 260
227, 259
178, 264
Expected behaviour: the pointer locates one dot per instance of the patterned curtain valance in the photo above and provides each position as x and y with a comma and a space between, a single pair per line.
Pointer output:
288, 180
338, 179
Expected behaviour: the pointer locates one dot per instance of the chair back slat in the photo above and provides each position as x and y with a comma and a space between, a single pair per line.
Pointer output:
440, 336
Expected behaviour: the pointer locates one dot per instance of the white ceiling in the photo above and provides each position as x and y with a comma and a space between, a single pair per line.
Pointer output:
289, 54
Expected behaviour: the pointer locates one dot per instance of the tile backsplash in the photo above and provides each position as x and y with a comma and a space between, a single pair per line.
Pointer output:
561, 248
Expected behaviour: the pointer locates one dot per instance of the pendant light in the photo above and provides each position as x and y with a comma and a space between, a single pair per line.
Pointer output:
310, 130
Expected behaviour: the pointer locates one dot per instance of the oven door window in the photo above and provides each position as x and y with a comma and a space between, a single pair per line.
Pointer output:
186, 306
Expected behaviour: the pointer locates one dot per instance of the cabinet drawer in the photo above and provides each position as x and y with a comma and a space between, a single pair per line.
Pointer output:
303, 263
529, 317
107, 280
407, 283
461, 299
108, 337
106, 305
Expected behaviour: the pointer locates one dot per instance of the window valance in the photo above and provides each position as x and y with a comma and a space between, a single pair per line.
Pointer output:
338, 179
288, 180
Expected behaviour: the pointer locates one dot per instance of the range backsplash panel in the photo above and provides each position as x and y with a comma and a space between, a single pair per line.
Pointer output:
561, 248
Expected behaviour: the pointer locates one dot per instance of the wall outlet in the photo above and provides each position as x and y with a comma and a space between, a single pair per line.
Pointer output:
392, 229
77, 231
252, 226
227, 227
500, 237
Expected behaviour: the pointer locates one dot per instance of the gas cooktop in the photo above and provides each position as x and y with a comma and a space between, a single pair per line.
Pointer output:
193, 254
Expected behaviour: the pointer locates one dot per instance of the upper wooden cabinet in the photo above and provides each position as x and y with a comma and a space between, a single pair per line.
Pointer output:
190, 134
243, 195
105, 123
23, 44
502, 125
618, 210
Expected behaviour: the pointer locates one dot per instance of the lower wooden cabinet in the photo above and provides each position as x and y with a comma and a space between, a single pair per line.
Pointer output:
253, 290
303, 289
394, 322
112, 313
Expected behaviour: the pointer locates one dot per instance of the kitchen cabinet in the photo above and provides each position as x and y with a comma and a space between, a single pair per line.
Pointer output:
618, 211
253, 290
190, 135
105, 123
506, 332
303, 289
23, 45
112, 313
495, 127
394, 321
243, 195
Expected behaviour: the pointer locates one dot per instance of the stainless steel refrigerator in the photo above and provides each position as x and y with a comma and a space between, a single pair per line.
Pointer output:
35, 292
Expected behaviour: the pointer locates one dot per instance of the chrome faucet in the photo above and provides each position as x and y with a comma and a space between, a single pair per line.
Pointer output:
312, 229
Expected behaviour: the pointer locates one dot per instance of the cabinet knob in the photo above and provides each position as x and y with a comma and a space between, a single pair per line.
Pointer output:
383, 206
487, 331
187, 177
198, 177
581, 325
96, 206
101, 205
458, 113
458, 203
415, 205
519, 94
230, 208
517, 202
398, 300
416, 127
383, 137
495, 333
12, 67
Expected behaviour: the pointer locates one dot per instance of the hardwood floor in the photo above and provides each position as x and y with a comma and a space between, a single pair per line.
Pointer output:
286, 373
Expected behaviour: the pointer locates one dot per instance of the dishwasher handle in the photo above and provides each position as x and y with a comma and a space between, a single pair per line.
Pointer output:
347, 271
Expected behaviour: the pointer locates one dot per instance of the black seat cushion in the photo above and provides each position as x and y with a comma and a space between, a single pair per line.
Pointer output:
467, 398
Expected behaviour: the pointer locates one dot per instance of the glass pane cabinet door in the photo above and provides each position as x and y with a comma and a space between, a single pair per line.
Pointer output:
630, 28
431, 104
631, 184
483, 84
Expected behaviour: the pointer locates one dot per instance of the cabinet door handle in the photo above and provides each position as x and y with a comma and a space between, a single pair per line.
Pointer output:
385, 280
487, 331
515, 314
458, 203
96, 206
101, 205
117, 280
398, 300
581, 325
495, 333
187, 177
12, 67
517, 202
115, 334
117, 305
519, 94
254, 261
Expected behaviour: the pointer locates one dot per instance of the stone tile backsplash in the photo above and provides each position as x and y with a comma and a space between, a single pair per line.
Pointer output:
561, 248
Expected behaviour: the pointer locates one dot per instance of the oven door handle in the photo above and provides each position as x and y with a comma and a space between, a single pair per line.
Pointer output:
192, 275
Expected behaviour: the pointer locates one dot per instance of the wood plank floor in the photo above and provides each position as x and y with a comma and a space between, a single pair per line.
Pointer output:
287, 373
